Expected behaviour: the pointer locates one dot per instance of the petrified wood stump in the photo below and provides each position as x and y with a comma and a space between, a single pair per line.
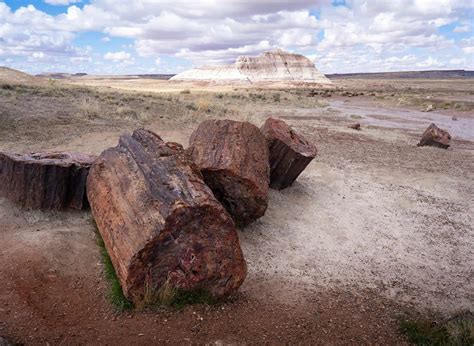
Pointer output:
161, 224
45, 181
289, 152
436, 137
233, 158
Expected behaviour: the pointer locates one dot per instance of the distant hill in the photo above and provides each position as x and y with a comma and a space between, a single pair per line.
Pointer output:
11, 76
435, 74
61, 75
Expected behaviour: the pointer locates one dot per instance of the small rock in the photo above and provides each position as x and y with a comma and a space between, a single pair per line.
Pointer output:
429, 108
355, 126
455, 118
435, 137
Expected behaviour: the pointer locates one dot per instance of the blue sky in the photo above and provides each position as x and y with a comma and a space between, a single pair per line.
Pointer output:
164, 36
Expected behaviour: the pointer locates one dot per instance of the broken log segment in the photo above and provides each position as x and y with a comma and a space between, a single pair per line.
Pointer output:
233, 159
289, 152
47, 181
161, 224
435, 137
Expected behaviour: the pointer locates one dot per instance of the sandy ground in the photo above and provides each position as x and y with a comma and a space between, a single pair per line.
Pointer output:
374, 228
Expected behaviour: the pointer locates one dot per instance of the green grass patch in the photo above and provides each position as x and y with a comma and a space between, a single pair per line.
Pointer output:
115, 294
456, 331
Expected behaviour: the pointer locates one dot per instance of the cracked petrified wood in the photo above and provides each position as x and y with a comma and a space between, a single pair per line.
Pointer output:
435, 137
161, 224
48, 181
289, 152
233, 156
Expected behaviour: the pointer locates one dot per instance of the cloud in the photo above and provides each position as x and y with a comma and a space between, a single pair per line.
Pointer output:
117, 56
360, 35
61, 2
463, 28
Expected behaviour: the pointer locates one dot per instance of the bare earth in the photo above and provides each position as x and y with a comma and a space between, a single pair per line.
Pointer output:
374, 229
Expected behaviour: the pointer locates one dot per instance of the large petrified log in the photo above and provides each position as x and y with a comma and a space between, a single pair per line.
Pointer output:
436, 137
55, 180
233, 158
160, 222
289, 152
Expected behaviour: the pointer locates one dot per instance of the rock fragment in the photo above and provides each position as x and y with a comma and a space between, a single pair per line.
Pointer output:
233, 158
289, 152
435, 137
355, 126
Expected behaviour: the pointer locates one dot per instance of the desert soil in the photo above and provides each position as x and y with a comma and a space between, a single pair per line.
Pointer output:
374, 230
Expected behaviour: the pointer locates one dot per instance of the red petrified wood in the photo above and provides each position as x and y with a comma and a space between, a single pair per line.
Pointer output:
289, 152
45, 180
436, 137
161, 224
232, 156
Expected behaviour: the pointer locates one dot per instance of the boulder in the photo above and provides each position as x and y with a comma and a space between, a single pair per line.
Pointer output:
435, 137
47, 181
289, 152
161, 225
233, 158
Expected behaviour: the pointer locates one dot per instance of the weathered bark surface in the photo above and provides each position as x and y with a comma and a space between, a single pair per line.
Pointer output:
289, 152
355, 126
435, 137
45, 180
160, 222
233, 158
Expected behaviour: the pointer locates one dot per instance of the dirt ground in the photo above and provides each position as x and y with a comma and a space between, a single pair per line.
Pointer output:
374, 230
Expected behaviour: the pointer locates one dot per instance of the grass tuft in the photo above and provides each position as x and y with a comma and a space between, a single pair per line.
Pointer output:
115, 293
458, 330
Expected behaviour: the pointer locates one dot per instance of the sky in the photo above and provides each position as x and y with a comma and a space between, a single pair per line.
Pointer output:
169, 36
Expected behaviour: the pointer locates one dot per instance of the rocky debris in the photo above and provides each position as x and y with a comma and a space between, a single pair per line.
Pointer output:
289, 152
435, 137
455, 118
355, 126
161, 225
272, 66
47, 181
233, 158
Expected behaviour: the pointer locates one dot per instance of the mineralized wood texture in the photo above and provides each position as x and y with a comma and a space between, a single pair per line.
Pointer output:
45, 180
160, 222
289, 152
233, 158
435, 137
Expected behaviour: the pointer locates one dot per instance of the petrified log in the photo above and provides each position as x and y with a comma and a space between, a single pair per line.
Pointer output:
355, 126
436, 137
161, 224
289, 152
233, 158
55, 180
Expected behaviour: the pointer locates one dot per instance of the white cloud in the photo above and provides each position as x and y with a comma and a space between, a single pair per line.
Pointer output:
463, 28
157, 61
117, 56
61, 2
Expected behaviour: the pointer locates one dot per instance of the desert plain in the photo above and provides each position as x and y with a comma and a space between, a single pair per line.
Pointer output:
375, 230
